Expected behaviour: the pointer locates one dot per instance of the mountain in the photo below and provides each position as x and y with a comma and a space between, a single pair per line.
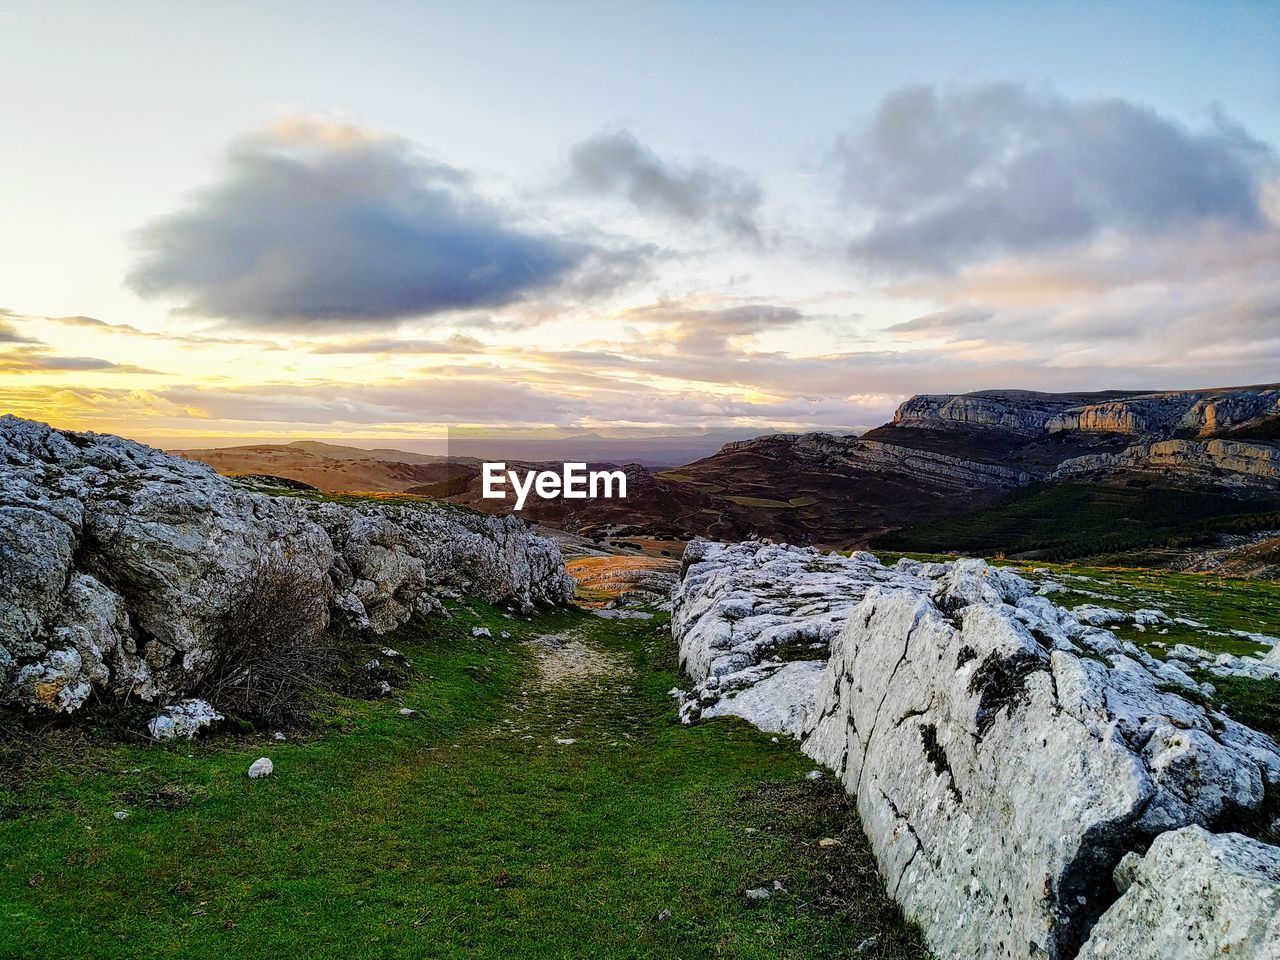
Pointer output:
330, 467
994, 470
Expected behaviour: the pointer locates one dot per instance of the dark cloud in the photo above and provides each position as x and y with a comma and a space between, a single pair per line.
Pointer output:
960, 175
617, 164
316, 224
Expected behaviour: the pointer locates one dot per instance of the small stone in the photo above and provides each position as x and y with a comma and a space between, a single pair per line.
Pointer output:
814, 775
480, 632
278, 736
565, 741
664, 916
262, 767
384, 688
121, 814
830, 842
759, 893
407, 711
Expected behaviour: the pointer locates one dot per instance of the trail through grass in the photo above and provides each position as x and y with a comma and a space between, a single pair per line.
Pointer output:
464, 829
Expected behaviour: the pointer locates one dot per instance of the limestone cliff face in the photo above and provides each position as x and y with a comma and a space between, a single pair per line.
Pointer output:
120, 563
1223, 461
1020, 411
1200, 414
1195, 412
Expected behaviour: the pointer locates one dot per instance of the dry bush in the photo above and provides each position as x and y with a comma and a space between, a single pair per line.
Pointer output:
271, 649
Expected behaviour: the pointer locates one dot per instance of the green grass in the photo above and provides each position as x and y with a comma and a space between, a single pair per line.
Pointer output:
1071, 520
763, 502
1222, 604
1253, 702
464, 830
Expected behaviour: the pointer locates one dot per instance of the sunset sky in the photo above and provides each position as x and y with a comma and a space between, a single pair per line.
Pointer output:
368, 221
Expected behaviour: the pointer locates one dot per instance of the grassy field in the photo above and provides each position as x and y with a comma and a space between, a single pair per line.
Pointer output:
462, 830
1070, 520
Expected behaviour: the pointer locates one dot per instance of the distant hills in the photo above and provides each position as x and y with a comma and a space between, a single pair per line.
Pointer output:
991, 471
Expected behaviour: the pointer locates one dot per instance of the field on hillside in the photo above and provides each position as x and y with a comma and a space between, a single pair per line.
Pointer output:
543, 801
1070, 520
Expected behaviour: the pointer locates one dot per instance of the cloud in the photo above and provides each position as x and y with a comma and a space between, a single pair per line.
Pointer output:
617, 164
37, 359
454, 344
316, 224
954, 176
704, 331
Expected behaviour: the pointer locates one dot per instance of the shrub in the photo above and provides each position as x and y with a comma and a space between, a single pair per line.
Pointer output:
271, 648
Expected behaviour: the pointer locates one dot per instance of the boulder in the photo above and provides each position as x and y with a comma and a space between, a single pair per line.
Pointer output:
121, 565
744, 612
1194, 896
393, 559
1004, 755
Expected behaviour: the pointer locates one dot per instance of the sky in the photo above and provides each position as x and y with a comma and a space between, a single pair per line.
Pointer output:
373, 222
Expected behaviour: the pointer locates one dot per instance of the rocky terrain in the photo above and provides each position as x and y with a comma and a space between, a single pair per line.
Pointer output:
1006, 755
941, 456
120, 565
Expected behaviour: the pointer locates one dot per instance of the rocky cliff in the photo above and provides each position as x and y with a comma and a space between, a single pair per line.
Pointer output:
1185, 436
1213, 461
1192, 412
119, 564
1004, 754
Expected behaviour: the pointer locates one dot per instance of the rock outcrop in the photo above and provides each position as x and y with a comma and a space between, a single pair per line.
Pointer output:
119, 564
1004, 755
1169, 413
391, 560
1019, 411
1216, 461
758, 617
1194, 896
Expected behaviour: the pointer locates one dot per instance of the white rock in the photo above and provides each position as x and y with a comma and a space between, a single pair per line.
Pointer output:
480, 632
182, 720
1194, 896
759, 893
1003, 754
262, 767
120, 563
